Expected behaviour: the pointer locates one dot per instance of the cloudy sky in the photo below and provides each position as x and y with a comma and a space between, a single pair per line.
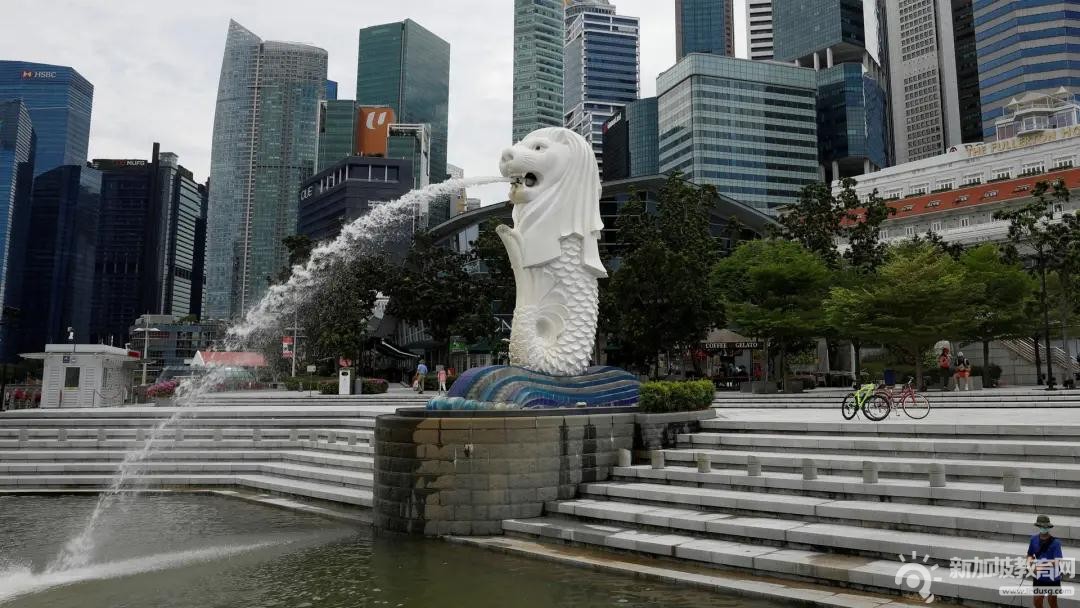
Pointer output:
155, 65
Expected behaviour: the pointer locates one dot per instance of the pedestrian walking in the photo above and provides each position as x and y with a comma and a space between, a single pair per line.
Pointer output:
963, 372
1044, 563
442, 379
944, 363
421, 375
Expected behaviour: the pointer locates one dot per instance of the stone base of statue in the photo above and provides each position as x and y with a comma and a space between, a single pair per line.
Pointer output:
507, 387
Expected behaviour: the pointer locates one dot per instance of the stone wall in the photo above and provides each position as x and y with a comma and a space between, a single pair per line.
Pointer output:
661, 431
463, 473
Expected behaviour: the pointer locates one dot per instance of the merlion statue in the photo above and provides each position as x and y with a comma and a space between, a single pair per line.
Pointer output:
553, 250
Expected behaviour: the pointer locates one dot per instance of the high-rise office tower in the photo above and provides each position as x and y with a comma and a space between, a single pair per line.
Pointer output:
58, 275
265, 145
924, 79
601, 68
704, 26
184, 268
59, 100
337, 131
538, 65
747, 127
406, 67
331, 90
16, 183
759, 29
632, 142
1024, 47
842, 40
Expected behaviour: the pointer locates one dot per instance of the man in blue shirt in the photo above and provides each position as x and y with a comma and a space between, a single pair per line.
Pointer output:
1045, 551
421, 373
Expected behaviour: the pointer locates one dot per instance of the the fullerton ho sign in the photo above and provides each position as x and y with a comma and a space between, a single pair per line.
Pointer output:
1021, 141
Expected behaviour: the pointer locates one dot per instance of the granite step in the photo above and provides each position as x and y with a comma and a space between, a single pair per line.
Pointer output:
994, 449
271, 483
860, 572
170, 443
335, 476
790, 533
285, 422
987, 471
790, 494
329, 459
895, 428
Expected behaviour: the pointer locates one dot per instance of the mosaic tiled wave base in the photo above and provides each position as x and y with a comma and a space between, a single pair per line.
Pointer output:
503, 387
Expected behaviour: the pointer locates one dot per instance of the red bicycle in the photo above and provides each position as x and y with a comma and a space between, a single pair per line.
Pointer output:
915, 405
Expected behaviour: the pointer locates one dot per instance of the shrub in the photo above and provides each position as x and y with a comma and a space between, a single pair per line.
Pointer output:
328, 388
374, 386
663, 397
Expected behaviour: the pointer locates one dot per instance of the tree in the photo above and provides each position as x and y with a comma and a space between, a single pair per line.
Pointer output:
335, 319
660, 298
435, 287
1002, 310
773, 290
918, 296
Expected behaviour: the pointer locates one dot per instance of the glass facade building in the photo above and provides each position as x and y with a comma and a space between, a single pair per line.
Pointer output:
538, 66
759, 29
58, 276
16, 185
347, 190
406, 67
185, 245
600, 68
331, 90
59, 100
632, 141
1024, 47
704, 26
844, 40
265, 144
337, 131
747, 127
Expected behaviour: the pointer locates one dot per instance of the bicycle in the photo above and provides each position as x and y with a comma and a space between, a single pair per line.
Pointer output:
866, 398
915, 405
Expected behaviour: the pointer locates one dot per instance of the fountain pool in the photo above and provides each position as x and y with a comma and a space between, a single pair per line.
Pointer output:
185, 550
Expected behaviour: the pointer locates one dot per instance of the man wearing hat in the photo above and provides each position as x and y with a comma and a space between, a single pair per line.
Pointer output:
1045, 551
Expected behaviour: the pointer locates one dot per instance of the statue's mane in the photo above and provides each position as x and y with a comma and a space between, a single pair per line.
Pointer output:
570, 207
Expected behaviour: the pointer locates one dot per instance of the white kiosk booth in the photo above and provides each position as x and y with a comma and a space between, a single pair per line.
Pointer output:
85, 375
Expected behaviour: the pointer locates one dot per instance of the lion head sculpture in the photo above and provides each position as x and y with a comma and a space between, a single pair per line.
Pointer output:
556, 194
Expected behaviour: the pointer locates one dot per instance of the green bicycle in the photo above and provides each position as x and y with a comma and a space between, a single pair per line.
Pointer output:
866, 398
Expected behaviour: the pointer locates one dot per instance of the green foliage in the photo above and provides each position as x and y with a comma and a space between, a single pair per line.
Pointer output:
660, 298
918, 297
328, 388
1002, 310
663, 397
374, 386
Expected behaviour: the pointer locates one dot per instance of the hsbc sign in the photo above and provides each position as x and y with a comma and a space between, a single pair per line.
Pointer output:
28, 74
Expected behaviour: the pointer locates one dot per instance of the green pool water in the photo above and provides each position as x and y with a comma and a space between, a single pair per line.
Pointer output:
202, 551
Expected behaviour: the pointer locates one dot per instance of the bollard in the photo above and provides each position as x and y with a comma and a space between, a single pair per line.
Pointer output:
937, 475
61, 435
625, 458
1010, 479
256, 434
178, 435
753, 466
217, 434
352, 439
23, 435
704, 465
101, 435
331, 437
294, 435
809, 469
658, 459
869, 471
140, 434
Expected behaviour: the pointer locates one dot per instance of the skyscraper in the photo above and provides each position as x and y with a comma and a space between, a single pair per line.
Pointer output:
265, 145
746, 127
185, 240
601, 68
1022, 49
759, 29
16, 183
337, 131
842, 40
704, 26
331, 90
59, 100
632, 141
406, 67
924, 81
538, 65
58, 276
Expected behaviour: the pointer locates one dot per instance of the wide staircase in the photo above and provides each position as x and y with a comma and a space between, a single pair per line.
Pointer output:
830, 398
813, 517
279, 443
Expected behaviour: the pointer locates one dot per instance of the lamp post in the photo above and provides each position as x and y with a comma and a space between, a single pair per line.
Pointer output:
146, 345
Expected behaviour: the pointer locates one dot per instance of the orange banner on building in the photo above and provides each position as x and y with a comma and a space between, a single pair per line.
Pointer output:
373, 130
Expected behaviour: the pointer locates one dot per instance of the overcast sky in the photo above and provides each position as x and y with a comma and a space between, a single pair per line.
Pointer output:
155, 66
